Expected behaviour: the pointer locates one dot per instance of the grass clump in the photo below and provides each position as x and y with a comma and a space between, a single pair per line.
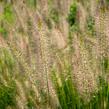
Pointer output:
66, 92
7, 96
72, 15
54, 15
70, 99
8, 14
91, 25
30, 104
